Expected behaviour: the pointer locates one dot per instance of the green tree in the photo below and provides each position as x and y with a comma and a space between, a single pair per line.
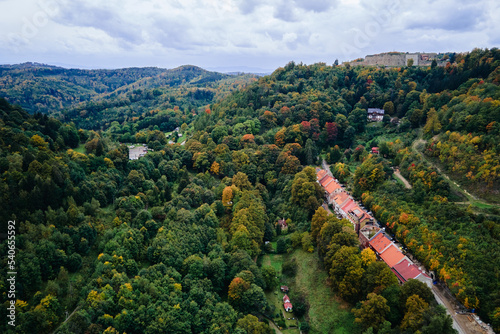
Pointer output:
317, 222
251, 325
414, 316
389, 108
433, 125
372, 311
269, 274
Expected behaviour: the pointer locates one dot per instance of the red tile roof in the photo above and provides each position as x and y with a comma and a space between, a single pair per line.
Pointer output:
380, 242
349, 205
406, 270
326, 180
288, 305
321, 174
332, 186
341, 197
286, 299
392, 256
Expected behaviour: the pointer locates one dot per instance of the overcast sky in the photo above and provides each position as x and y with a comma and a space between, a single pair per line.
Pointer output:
263, 34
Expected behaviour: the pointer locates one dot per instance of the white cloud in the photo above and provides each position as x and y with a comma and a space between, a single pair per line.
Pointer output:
236, 32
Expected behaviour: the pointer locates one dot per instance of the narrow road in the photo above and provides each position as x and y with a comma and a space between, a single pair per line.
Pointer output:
401, 177
326, 167
276, 329
449, 309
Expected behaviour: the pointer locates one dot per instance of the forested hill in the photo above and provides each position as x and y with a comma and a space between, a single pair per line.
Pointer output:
455, 110
329, 105
50, 89
167, 243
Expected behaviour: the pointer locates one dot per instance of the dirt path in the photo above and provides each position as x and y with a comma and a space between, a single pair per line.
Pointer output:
327, 209
273, 326
76, 309
470, 198
401, 177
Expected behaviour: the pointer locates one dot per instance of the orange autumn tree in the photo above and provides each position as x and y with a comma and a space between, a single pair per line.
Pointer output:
237, 288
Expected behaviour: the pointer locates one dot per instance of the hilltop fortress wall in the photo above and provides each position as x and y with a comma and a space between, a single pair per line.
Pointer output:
398, 59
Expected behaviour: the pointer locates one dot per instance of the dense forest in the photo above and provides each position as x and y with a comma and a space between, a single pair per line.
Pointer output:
94, 99
170, 242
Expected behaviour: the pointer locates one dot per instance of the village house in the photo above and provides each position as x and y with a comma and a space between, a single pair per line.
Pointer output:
366, 233
282, 224
284, 289
387, 251
369, 234
406, 270
375, 114
287, 304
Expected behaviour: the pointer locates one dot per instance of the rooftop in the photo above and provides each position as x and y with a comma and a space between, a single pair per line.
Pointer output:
406, 270
321, 174
392, 256
332, 186
326, 180
341, 197
380, 242
349, 205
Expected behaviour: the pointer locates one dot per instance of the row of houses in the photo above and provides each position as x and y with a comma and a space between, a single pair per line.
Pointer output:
343, 203
374, 237
369, 232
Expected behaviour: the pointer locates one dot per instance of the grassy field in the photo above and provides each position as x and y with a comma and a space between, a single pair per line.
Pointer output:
327, 314
80, 148
276, 297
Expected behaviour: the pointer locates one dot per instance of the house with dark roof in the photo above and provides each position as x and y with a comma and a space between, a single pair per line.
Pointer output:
366, 233
282, 224
375, 114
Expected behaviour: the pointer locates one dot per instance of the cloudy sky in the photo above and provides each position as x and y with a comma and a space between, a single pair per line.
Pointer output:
218, 34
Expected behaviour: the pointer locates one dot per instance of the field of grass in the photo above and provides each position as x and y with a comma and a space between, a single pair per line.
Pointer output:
327, 313
80, 148
276, 297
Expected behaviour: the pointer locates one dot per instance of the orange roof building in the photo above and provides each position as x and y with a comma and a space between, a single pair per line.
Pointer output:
332, 187
348, 206
321, 174
326, 181
392, 256
341, 198
379, 242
